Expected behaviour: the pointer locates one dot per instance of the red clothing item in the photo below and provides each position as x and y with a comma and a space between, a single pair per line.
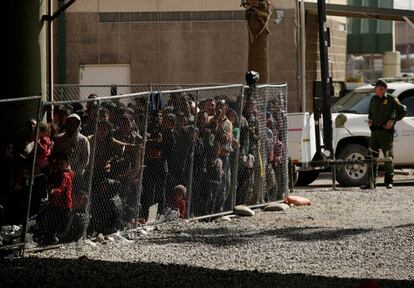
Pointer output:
61, 196
182, 207
43, 152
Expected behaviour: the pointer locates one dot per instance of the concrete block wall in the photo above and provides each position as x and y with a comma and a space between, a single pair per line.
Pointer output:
187, 47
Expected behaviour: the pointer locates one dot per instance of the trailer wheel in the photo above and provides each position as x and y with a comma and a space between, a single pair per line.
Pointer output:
355, 174
307, 177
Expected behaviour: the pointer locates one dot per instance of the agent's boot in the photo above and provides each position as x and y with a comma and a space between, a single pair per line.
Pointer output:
388, 181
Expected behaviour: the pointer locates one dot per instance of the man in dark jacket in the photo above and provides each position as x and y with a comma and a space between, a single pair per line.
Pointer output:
384, 111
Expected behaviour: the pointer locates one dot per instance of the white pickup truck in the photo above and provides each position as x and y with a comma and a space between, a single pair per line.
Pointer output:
350, 141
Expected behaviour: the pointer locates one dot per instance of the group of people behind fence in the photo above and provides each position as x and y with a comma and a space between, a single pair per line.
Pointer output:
225, 156
92, 160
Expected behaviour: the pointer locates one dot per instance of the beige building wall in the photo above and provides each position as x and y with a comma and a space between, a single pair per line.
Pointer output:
153, 5
165, 5
187, 47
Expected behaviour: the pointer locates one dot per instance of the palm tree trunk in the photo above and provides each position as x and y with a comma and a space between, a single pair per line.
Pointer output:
258, 14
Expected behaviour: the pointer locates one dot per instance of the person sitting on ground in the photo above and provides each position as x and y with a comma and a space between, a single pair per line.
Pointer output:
55, 216
180, 193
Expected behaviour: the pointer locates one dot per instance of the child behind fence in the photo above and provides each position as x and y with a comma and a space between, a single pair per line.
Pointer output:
54, 217
44, 147
180, 192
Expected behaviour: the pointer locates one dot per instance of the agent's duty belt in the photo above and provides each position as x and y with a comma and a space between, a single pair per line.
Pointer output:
377, 127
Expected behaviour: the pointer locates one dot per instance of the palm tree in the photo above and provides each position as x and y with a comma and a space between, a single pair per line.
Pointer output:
258, 14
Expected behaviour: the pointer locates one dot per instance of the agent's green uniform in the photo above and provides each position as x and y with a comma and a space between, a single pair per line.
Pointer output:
382, 109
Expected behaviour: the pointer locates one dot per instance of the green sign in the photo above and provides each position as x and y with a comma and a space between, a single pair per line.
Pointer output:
369, 36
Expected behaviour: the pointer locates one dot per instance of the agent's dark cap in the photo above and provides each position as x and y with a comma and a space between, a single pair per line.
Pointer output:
381, 83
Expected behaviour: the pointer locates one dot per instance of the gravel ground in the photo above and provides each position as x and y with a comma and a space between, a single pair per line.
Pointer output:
343, 238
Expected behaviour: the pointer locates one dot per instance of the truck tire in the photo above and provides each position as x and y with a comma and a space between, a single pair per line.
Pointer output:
356, 174
307, 177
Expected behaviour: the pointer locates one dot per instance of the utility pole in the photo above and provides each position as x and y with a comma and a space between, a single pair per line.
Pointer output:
258, 13
324, 43
325, 80
303, 55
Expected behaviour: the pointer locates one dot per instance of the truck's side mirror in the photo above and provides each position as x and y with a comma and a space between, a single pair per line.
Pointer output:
340, 121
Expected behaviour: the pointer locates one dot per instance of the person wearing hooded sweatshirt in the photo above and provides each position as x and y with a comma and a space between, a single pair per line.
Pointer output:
77, 146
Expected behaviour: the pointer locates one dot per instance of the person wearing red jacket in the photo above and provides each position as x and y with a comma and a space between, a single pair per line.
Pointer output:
60, 194
44, 147
180, 192
55, 216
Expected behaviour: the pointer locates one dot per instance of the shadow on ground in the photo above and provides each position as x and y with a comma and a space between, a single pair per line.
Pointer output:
228, 236
38, 272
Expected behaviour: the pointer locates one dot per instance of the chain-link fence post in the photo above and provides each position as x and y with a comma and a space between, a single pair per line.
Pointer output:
32, 174
192, 150
266, 184
256, 119
284, 138
291, 169
90, 176
144, 146
235, 168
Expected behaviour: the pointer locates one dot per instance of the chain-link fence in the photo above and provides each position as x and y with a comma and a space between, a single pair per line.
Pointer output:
67, 92
19, 180
276, 101
263, 173
98, 149
124, 160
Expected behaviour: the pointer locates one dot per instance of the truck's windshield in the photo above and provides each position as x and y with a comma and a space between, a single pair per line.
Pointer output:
355, 102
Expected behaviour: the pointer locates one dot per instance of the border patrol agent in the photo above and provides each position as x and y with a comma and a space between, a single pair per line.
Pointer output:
384, 111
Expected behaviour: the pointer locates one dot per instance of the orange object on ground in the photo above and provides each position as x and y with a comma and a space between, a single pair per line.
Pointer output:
297, 200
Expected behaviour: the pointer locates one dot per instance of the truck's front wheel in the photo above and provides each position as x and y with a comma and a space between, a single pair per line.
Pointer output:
352, 174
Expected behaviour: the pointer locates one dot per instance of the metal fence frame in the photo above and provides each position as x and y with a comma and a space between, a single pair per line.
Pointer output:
22, 242
64, 92
267, 92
